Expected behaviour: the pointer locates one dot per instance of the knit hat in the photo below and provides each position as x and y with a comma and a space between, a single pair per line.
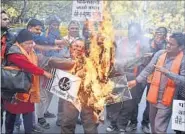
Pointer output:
24, 35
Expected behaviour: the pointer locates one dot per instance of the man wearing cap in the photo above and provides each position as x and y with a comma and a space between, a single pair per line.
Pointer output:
21, 55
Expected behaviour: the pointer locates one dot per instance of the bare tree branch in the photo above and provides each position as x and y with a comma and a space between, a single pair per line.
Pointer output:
23, 11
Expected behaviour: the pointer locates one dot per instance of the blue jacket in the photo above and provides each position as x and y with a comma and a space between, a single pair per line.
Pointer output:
42, 40
50, 41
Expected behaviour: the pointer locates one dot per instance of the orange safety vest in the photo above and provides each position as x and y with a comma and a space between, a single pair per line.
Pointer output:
170, 87
34, 93
137, 52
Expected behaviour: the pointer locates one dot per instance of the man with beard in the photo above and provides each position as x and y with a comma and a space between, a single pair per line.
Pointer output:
6, 42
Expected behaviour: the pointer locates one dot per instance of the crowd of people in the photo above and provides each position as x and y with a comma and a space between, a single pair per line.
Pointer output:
161, 73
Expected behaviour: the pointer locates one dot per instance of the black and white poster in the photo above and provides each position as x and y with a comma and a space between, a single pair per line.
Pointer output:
64, 85
178, 115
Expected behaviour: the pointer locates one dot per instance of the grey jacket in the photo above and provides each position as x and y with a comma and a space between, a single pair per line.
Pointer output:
179, 79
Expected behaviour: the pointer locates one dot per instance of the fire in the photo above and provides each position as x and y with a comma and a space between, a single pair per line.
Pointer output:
96, 85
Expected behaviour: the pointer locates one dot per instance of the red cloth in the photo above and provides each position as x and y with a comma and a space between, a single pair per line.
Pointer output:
22, 62
19, 108
3, 46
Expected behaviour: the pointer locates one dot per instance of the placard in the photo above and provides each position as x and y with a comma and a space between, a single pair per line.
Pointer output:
178, 115
64, 85
87, 9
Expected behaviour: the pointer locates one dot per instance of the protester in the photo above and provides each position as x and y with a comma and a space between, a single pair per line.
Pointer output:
46, 44
21, 54
123, 115
6, 42
43, 43
181, 93
156, 44
53, 33
73, 34
168, 68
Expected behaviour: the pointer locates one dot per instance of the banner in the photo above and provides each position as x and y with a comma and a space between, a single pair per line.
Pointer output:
87, 9
178, 115
64, 85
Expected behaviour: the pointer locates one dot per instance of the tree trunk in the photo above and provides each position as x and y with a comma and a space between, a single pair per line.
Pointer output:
23, 11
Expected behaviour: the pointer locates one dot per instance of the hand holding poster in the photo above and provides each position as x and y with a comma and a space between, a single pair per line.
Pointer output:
178, 115
87, 9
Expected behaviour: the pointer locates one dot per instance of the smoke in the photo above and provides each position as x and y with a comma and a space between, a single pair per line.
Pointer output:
128, 53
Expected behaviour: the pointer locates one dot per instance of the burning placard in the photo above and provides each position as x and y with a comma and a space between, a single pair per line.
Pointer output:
64, 85
120, 92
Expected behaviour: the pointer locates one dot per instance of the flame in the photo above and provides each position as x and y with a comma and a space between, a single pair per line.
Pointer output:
95, 85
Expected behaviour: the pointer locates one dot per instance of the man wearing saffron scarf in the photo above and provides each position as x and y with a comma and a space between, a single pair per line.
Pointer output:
168, 68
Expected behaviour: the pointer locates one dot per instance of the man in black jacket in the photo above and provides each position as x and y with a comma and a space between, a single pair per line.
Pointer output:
6, 41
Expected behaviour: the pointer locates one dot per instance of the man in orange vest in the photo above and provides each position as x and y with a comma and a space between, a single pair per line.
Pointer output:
156, 44
168, 68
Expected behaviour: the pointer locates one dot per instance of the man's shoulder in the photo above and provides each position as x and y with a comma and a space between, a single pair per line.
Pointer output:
10, 37
160, 52
10, 40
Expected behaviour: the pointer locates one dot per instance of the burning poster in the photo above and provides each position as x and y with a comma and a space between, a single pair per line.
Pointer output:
120, 91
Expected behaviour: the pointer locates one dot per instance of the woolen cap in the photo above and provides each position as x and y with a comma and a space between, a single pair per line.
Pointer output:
24, 35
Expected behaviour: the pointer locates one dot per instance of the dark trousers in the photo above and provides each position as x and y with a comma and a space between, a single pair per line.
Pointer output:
179, 132
140, 90
2, 111
121, 113
146, 120
10, 121
70, 115
18, 120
